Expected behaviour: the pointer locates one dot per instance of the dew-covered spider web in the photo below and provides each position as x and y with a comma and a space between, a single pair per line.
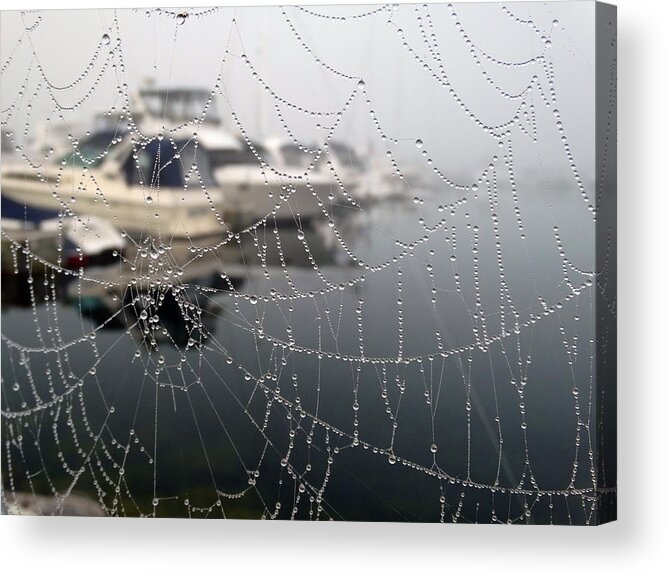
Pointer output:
324, 263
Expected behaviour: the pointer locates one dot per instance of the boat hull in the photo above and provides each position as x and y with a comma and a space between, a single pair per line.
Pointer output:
170, 213
256, 196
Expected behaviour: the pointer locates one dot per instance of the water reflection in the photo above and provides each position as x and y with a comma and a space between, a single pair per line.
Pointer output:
177, 300
273, 351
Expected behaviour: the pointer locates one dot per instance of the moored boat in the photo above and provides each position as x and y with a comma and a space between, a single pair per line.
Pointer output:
162, 188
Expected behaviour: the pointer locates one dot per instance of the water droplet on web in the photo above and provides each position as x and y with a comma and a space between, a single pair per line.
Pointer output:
180, 18
106, 39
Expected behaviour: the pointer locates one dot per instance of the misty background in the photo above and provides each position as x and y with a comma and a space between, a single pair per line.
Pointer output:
408, 102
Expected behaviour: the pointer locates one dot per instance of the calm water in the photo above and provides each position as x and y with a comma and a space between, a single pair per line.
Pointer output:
198, 432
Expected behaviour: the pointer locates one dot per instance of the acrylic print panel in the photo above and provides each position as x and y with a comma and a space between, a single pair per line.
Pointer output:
313, 263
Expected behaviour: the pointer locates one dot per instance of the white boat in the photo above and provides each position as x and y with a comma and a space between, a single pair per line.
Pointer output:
364, 180
73, 242
275, 180
375, 180
261, 181
87, 242
159, 188
155, 110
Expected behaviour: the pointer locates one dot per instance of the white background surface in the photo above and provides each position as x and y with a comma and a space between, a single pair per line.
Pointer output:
634, 544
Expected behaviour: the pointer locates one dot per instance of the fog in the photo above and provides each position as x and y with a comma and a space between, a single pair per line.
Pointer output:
408, 101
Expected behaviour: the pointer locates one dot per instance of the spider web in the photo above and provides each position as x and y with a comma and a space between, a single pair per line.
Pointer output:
425, 357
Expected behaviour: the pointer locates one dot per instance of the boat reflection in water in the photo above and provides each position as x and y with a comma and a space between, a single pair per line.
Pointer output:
192, 213
175, 294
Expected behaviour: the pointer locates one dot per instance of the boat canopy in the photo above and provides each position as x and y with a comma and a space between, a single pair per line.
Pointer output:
297, 156
23, 212
178, 105
242, 155
166, 164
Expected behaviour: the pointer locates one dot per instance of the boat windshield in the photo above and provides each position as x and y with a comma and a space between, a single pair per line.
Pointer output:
346, 155
297, 156
27, 214
91, 150
223, 157
158, 165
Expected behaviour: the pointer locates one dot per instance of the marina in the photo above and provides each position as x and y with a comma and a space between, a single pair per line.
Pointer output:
157, 175
281, 263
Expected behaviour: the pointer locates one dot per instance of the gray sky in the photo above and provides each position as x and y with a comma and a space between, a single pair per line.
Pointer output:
408, 101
